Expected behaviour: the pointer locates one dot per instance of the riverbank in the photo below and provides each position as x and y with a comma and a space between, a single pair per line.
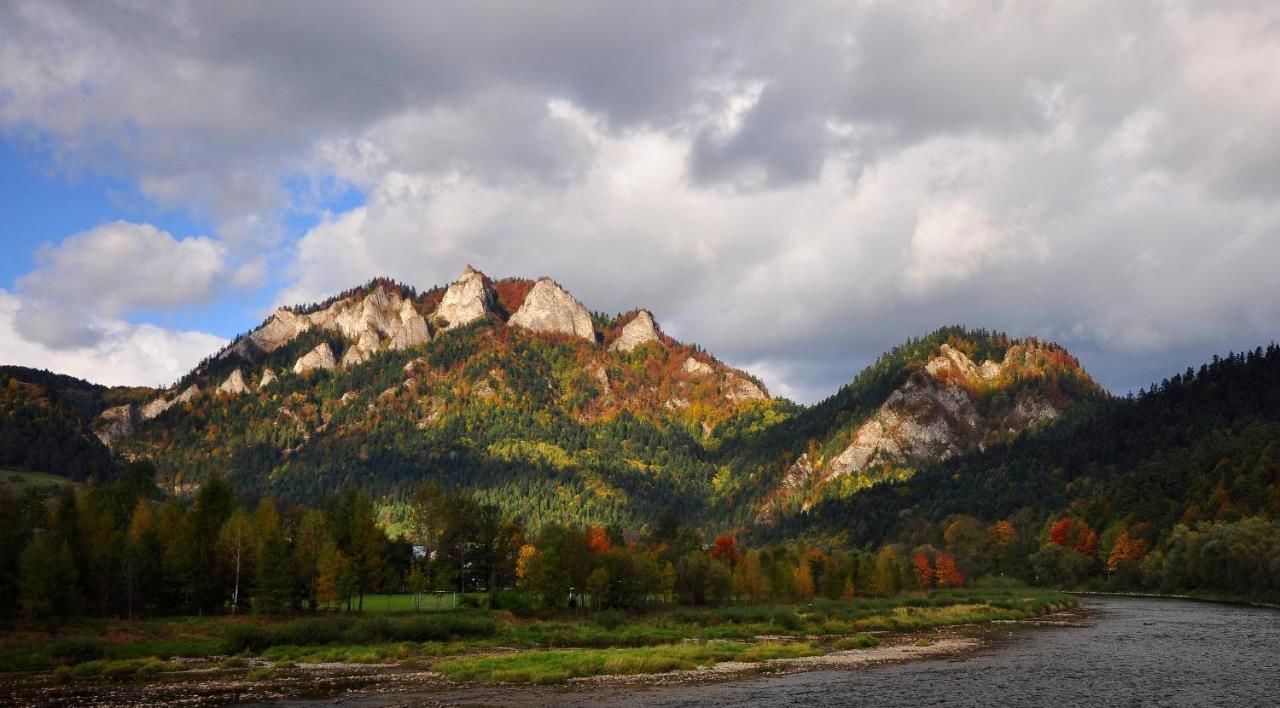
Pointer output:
1207, 597
219, 660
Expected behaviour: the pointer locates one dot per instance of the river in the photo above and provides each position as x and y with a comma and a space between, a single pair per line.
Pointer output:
1119, 652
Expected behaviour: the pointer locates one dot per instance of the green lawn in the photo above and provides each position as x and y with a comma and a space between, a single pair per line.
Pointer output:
404, 603
19, 481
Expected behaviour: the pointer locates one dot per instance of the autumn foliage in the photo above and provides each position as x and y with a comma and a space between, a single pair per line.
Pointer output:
948, 571
725, 549
1074, 534
598, 540
924, 571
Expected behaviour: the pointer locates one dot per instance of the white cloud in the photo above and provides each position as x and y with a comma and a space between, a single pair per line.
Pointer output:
124, 354
121, 266
112, 270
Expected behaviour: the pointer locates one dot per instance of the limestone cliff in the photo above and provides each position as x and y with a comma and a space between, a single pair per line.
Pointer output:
382, 318
466, 300
936, 413
640, 330
548, 308
234, 385
319, 358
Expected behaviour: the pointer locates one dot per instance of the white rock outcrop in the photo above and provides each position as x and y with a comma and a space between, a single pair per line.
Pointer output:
191, 392
116, 423
412, 330
379, 319
934, 416
234, 385
153, 408
319, 358
739, 388
693, 367
268, 378
548, 308
640, 330
466, 300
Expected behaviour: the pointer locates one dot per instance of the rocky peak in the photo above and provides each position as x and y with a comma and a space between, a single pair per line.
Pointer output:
549, 308
694, 367
373, 320
935, 414
466, 300
268, 378
640, 330
319, 358
234, 385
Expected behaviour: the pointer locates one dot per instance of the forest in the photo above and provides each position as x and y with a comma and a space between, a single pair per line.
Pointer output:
1173, 490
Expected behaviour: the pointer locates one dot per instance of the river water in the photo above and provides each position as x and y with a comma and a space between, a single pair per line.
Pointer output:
1121, 652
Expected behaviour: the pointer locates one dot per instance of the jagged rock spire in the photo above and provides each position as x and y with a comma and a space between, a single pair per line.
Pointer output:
640, 330
550, 308
467, 300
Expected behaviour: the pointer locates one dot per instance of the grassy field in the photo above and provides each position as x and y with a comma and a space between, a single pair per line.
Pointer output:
476, 645
18, 481
395, 604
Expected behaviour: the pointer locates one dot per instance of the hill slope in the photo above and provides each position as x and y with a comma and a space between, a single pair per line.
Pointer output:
948, 393
44, 422
512, 389
1201, 447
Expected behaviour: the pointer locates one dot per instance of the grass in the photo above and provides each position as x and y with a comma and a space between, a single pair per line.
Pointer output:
855, 641
563, 645
545, 667
118, 669
399, 603
18, 481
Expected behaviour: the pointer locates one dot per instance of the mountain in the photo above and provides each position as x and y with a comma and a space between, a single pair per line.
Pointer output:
510, 388
514, 390
949, 393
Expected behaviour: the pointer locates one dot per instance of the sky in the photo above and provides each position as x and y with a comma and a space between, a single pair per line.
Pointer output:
795, 186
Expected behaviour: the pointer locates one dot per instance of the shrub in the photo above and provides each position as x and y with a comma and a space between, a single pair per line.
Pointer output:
787, 619
248, 637
610, 619
75, 650
372, 630
516, 602
320, 630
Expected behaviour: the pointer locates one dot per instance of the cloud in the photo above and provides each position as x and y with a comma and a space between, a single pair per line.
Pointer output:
113, 270
122, 353
798, 186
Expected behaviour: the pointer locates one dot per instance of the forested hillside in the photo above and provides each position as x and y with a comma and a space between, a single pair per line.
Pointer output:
949, 392
1177, 488
44, 423
509, 390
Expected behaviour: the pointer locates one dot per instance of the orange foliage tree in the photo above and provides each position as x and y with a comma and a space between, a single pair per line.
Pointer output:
597, 540
1125, 549
948, 572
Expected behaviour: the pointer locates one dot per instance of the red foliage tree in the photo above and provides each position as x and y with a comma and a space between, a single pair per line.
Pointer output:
923, 571
725, 549
1060, 534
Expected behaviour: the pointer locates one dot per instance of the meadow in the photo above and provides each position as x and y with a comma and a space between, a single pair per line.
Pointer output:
480, 645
